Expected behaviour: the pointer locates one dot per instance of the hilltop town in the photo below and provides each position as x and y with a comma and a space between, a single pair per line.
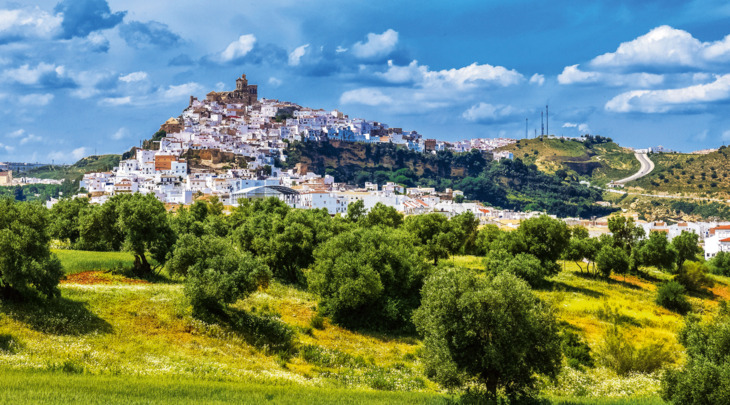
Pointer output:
239, 137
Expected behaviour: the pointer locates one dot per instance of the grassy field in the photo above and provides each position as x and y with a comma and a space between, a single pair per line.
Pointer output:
76, 171
689, 174
76, 261
97, 335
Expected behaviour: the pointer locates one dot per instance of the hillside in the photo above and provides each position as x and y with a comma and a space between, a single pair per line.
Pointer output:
694, 174
109, 325
599, 162
506, 184
74, 172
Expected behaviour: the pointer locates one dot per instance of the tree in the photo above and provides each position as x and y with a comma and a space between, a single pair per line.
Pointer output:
355, 210
465, 227
720, 264
612, 260
705, 376
146, 228
432, 231
657, 251
26, 261
545, 238
490, 331
216, 272
580, 246
65, 216
98, 227
670, 295
383, 215
369, 277
687, 247
625, 233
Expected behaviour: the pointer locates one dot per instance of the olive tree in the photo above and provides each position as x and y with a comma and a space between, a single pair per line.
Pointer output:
493, 332
145, 225
26, 262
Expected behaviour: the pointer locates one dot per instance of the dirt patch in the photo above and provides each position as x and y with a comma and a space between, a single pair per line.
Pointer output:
100, 277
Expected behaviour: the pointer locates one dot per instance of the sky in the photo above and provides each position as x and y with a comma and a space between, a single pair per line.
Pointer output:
79, 77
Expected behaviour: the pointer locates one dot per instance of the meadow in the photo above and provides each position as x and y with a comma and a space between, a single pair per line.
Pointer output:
132, 341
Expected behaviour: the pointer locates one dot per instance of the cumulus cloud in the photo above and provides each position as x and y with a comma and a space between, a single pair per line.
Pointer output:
275, 82
662, 101
19, 24
574, 75
537, 79
96, 42
295, 56
78, 153
366, 96
376, 45
582, 128
16, 134
82, 17
485, 112
239, 48
148, 34
116, 101
133, 77
181, 91
726, 136
462, 78
42, 75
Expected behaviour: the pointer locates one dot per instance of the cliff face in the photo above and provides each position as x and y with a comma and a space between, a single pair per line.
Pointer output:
348, 158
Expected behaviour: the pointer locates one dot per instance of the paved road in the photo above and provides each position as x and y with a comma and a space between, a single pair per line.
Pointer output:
646, 167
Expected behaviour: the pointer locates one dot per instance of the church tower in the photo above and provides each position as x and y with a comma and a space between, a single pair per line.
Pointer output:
241, 83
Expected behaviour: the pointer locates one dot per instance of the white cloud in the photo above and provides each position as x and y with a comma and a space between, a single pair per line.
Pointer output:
462, 78
181, 91
30, 138
661, 101
120, 134
78, 153
7, 148
239, 48
116, 101
582, 128
574, 75
16, 134
27, 23
726, 136
133, 77
275, 82
665, 47
488, 112
376, 45
28, 75
340, 49
537, 79
367, 96
38, 100
296, 55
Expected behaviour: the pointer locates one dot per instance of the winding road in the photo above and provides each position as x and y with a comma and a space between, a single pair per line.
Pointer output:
646, 167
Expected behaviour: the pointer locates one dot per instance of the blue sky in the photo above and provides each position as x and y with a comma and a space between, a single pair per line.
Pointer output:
85, 76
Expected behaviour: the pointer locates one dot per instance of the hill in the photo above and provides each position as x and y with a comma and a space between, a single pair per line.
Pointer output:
598, 159
74, 172
506, 184
691, 174
110, 327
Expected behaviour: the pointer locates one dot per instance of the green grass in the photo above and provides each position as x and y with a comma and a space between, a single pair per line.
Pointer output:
23, 387
76, 171
77, 261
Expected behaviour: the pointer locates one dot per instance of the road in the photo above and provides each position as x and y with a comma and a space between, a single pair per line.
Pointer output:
646, 167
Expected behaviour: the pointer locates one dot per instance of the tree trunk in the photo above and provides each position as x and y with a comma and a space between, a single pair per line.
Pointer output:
141, 265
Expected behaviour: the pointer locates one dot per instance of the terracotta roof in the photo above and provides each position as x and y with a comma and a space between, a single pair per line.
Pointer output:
725, 240
682, 224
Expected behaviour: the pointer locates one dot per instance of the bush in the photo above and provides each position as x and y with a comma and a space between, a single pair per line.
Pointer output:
720, 264
705, 377
619, 354
612, 260
577, 353
693, 276
670, 295
317, 321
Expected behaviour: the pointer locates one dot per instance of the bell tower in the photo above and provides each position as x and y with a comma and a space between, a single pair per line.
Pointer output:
241, 83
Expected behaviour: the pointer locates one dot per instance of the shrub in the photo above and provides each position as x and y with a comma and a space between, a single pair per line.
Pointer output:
670, 295
317, 321
693, 276
705, 377
619, 354
612, 260
720, 264
577, 353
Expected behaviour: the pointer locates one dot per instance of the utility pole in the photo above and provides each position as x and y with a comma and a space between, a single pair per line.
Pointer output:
526, 128
547, 120
542, 123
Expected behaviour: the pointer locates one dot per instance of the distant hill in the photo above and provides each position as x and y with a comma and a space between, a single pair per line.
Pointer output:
599, 159
74, 172
694, 174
